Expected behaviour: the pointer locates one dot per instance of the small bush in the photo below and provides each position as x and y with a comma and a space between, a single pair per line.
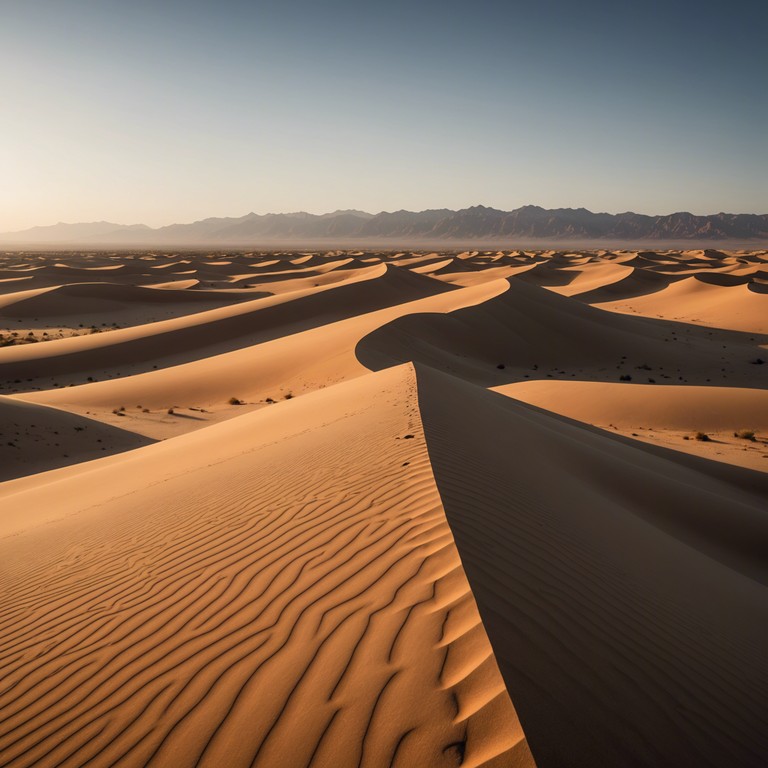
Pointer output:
235, 401
702, 437
625, 377
745, 434
170, 411
288, 395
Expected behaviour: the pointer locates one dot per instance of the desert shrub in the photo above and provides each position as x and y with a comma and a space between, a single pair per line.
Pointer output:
625, 377
288, 395
745, 434
234, 401
701, 437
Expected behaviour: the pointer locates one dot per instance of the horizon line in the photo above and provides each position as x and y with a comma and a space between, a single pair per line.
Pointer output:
379, 213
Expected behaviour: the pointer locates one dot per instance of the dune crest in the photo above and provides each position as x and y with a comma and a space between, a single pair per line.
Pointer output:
490, 508
209, 618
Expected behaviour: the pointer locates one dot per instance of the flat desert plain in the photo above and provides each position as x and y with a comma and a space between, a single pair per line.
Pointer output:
502, 508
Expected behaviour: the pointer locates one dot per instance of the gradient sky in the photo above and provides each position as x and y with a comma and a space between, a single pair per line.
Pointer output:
157, 112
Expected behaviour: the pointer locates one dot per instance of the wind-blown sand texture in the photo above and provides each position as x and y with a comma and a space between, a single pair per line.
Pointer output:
384, 509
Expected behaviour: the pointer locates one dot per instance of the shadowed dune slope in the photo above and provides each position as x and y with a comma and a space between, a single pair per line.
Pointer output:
216, 331
737, 307
297, 363
84, 298
644, 405
622, 590
531, 329
639, 282
279, 590
37, 438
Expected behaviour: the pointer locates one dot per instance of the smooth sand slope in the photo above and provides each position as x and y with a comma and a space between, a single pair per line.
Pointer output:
671, 416
740, 307
276, 516
36, 438
283, 590
529, 332
644, 405
623, 590
203, 334
292, 365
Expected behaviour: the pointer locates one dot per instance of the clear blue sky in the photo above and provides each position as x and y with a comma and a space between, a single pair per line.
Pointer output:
173, 111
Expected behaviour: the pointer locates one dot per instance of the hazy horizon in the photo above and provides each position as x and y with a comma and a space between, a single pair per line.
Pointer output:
158, 115
357, 210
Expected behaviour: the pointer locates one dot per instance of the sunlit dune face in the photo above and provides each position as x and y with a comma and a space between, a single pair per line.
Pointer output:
413, 508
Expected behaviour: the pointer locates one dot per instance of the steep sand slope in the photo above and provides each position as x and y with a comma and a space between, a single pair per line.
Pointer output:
36, 438
669, 416
528, 331
171, 342
693, 300
280, 590
294, 364
622, 587
643, 405
92, 298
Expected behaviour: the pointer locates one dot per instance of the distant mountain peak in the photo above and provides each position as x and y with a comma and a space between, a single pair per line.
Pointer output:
477, 222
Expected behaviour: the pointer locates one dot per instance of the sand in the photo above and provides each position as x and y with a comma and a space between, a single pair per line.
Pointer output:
377, 509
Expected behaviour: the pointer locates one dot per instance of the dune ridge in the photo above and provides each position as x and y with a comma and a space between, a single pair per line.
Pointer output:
495, 508
345, 600
606, 623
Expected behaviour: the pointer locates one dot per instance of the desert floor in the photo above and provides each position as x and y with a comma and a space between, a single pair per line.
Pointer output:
384, 509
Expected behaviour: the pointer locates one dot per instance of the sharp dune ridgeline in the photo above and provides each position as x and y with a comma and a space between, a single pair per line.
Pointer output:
365, 508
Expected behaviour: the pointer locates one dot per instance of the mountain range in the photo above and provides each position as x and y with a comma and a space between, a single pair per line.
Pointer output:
477, 223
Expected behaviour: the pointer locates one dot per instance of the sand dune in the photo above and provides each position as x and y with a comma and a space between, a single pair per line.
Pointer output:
639, 282
635, 405
37, 438
287, 366
609, 660
176, 341
713, 303
273, 516
530, 332
190, 584
87, 298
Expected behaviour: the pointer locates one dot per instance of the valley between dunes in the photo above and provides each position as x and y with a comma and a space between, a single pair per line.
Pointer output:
496, 509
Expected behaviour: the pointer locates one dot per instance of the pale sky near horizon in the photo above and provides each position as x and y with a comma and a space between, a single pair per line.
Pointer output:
162, 112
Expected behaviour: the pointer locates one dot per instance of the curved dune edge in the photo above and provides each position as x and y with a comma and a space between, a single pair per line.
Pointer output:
297, 363
288, 586
668, 416
691, 300
623, 608
204, 334
37, 438
643, 405
290, 595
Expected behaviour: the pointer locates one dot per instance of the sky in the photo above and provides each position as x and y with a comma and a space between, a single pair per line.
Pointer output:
163, 112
